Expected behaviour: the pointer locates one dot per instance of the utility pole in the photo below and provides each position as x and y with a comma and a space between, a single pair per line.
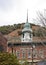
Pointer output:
33, 46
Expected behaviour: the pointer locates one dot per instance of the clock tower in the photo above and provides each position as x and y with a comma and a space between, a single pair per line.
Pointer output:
26, 32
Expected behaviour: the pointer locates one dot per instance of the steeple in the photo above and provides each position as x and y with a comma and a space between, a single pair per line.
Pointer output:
27, 25
26, 32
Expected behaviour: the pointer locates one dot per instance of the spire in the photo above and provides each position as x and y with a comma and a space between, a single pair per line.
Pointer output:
27, 15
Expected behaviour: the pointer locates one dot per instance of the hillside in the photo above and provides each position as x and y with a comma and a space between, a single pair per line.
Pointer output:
16, 28
9, 28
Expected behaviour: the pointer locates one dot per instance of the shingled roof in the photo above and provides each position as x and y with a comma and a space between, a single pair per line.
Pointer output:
16, 37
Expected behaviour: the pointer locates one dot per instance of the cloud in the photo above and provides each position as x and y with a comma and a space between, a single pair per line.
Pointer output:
5, 4
15, 11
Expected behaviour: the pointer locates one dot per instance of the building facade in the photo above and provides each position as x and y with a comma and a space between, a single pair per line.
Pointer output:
28, 49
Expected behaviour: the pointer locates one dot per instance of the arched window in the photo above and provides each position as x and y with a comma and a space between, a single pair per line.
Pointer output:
30, 35
23, 35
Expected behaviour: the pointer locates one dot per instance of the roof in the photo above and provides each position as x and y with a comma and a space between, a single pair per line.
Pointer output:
15, 36
27, 27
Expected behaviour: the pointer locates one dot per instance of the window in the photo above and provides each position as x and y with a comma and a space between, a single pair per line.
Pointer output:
35, 53
29, 53
23, 54
41, 53
18, 54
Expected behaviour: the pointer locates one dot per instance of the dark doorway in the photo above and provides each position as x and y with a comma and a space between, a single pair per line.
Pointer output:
1, 48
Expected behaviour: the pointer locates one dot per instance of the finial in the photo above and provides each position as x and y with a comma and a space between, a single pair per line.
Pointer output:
27, 15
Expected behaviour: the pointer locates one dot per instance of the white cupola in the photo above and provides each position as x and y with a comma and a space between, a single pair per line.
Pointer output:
26, 32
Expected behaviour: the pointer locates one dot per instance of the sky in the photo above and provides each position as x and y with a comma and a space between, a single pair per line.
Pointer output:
15, 11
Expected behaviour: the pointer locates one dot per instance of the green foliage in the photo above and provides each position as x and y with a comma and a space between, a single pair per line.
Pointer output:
8, 59
9, 28
25, 63
6, 29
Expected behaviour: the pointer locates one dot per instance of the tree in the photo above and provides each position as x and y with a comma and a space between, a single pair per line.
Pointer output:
41, 19
8, 59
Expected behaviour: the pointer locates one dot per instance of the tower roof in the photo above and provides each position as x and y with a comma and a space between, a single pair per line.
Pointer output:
27, 25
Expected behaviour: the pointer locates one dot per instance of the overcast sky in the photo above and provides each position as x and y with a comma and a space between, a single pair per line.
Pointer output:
15, 11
